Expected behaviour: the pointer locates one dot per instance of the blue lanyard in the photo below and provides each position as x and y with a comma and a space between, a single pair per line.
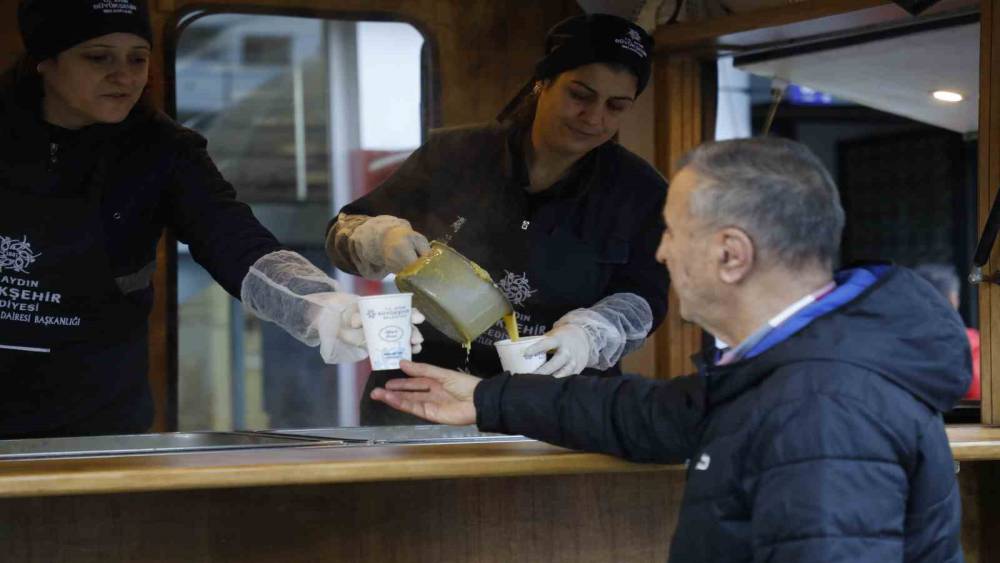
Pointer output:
748, 344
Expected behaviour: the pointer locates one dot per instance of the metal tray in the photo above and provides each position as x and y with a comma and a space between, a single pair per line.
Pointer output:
145, 444
421, 434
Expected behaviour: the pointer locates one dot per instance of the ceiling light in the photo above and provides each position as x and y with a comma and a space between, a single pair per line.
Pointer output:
947, 96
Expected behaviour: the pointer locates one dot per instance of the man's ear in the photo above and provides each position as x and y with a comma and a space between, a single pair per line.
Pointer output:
736, 255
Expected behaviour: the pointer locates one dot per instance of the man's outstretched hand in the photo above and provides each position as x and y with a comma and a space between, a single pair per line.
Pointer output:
432, 393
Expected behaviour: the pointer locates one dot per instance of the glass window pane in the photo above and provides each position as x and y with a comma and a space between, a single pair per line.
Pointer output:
302, 116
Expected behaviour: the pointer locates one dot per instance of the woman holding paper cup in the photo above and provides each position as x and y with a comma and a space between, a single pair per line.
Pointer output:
564, 219
90, 175
387, 329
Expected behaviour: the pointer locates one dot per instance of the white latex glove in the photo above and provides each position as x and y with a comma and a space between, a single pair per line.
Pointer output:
572, 351
401, 246
352, 333
338, 341
284, 288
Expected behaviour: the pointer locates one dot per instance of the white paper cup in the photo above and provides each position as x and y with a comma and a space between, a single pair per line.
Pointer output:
386, 323
512, 355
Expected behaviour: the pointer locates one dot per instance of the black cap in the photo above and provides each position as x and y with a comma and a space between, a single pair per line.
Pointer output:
591, 38
49, 27
597, 38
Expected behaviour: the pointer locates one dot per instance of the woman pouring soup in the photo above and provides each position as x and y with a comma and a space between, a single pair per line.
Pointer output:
563, 218
90, 175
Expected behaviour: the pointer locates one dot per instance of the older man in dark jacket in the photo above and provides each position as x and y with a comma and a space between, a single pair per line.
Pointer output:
817, 436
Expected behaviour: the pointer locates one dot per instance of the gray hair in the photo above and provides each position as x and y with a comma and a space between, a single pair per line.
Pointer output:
942, 276
776, 191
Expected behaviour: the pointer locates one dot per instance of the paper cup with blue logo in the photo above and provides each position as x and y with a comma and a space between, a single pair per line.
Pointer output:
512, 358
385, 320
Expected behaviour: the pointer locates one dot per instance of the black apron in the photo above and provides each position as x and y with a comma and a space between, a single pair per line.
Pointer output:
543, 266
72, 346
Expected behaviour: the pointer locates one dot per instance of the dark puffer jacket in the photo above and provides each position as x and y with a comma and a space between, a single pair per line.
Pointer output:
829, 446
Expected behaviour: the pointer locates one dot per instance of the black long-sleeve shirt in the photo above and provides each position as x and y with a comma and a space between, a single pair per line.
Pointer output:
591, 235
148, 173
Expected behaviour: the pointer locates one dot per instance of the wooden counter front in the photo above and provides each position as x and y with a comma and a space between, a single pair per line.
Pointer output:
497, 502
299, 466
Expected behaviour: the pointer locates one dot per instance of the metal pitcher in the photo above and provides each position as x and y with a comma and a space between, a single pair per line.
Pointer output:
457, 296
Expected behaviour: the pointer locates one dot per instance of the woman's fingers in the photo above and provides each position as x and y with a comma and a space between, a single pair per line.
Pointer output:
416, 317
352, 336
555, 363
543, 345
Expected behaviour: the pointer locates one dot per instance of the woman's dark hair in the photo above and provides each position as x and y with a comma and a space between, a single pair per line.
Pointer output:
24, 79
522, 112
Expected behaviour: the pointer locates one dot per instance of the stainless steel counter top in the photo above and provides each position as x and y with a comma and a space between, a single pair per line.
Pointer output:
179, 442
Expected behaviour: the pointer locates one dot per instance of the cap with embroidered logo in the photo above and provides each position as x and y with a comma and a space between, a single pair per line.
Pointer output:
49, 27
587, 39
597, 38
